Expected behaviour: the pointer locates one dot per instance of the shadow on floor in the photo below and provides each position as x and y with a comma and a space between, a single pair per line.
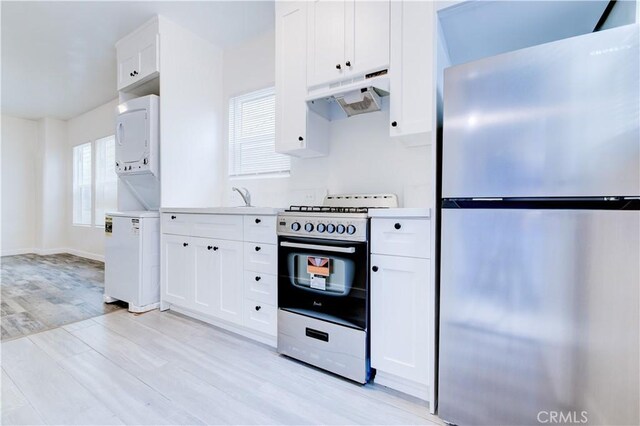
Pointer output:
44, 292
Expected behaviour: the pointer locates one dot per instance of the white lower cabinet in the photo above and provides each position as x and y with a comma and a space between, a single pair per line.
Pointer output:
219, 279
399, 320
177, 269
402, 305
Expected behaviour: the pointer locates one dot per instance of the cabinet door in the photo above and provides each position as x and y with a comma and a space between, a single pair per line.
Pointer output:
291, 76
206, 270
148, 55
228, 281
411, 71
366, 36
400, 316
127, 63
326, 32
177, 270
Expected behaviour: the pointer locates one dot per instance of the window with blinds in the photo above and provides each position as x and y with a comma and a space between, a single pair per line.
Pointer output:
106, 178
82, 184
252, 125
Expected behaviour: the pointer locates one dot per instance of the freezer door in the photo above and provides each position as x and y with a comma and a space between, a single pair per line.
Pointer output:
556, 120
539, 317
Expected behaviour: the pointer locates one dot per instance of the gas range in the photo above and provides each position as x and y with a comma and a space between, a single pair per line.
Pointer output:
341, 217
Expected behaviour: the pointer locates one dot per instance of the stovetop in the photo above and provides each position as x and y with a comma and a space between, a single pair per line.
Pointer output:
342, 217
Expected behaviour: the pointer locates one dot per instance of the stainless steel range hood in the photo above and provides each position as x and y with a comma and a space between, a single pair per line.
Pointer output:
359, 97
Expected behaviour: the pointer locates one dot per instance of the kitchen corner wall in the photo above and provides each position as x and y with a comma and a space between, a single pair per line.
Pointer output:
363, 158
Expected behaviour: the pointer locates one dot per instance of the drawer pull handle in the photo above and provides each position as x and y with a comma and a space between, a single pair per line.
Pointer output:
374, 269
258, 248
185, 244
258, 308
397, 226
173, 217
316, 334
258, 278
258, 220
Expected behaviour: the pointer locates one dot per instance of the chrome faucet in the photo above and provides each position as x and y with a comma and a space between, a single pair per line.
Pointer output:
246, 196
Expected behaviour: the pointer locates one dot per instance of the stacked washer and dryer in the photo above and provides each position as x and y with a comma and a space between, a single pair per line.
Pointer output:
132, 247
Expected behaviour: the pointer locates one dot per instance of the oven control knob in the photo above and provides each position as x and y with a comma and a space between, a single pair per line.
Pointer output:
295, 226
340, 228
321, 227
331, 228
308, 227
351, 229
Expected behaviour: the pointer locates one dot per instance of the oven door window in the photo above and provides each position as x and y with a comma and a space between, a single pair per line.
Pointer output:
324, 279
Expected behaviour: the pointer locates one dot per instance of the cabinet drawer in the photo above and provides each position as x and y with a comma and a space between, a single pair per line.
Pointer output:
260, 229
224, 227
260, 257
401, 237
261, 287
176, 223
260, 316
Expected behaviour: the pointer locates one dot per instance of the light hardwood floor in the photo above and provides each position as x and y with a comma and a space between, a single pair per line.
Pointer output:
163, 368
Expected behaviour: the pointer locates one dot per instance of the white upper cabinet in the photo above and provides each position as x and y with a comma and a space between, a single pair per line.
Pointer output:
347, 39
411, 71
138, 57
326, 32
367, 41
300, 131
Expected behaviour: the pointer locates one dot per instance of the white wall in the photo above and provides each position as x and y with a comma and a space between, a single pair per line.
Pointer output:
95, 124
362, 159
53, 185
19, 185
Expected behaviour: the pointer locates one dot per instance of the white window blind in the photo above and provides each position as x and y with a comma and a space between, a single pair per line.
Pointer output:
106, 178
252, 125
82, 184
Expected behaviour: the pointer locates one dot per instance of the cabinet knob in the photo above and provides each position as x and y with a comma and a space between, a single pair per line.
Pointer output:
215, 248
130, 74
258, 221
397, 226
374, 269
338, 66
300, 138
394, 124
258, 248
258, 308
348, 63
135, 72
209, 247
258, 278
185, 244
173, 217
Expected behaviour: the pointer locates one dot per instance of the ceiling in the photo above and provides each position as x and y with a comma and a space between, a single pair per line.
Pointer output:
479, 29
58, 58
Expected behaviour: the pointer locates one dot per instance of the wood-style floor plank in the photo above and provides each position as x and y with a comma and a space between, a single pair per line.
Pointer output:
55, 395
161, 367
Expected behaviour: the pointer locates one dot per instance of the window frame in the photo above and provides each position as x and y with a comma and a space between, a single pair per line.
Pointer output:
232, 142
93, 183
73, 184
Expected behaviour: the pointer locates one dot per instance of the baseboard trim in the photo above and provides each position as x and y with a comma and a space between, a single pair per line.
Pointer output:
85, 254
16, 252
46, 252
403, 385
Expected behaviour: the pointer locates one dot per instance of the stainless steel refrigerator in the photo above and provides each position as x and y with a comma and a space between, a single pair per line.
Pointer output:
540, 237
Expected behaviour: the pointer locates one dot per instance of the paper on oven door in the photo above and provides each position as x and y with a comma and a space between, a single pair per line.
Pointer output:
318, 266
318, 282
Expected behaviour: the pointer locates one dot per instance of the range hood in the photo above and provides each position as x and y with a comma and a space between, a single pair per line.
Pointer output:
358, 97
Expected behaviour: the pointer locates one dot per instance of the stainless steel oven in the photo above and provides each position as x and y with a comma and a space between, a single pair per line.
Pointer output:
323, 284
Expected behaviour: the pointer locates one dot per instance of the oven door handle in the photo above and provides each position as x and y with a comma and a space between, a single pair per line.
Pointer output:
318, 247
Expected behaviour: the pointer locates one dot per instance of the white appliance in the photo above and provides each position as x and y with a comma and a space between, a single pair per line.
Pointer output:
132, 259
138, 148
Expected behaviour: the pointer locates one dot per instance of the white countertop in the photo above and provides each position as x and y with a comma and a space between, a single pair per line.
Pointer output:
266, 211
411, 212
